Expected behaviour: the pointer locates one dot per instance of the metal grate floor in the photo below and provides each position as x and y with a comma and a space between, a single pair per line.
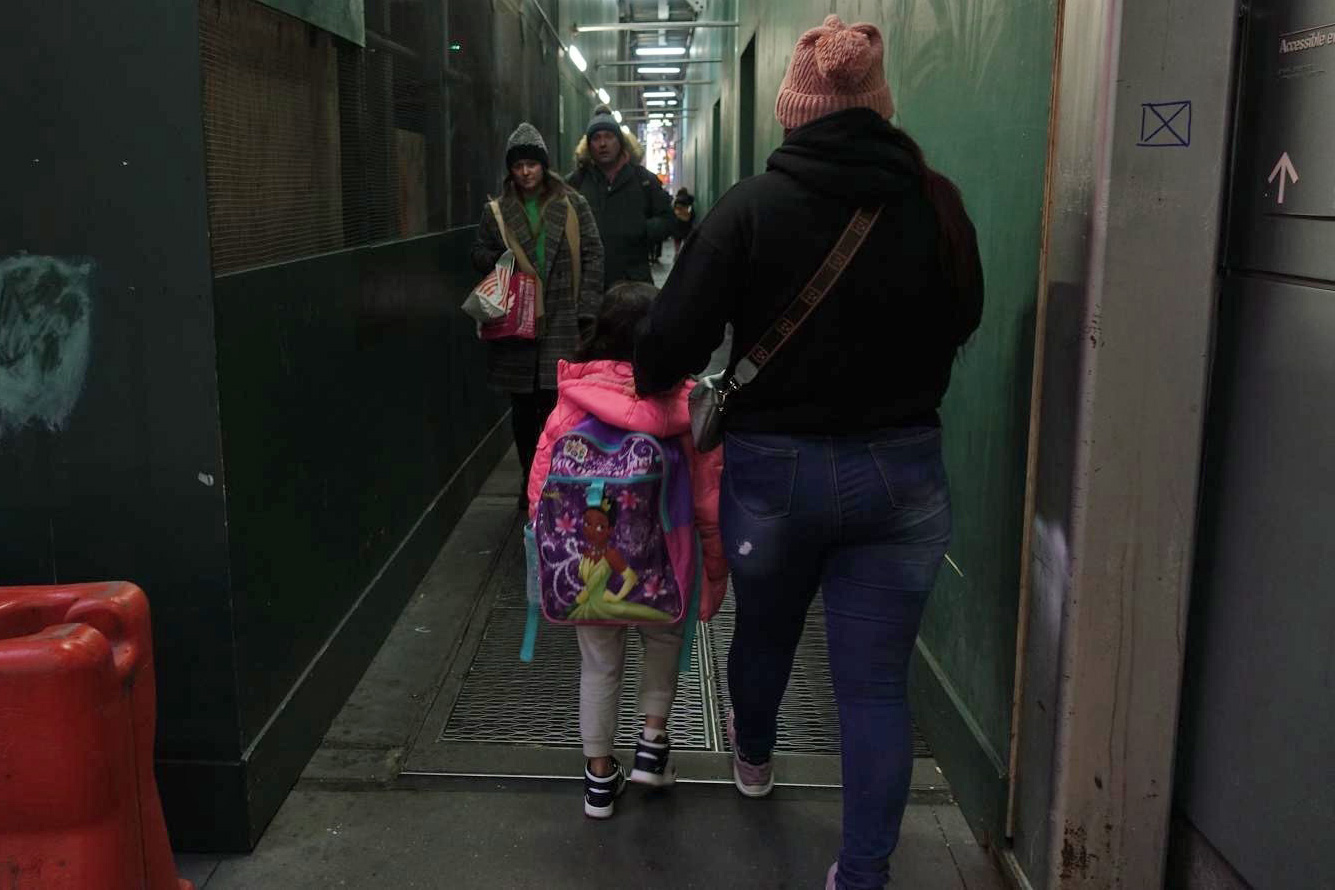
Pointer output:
504, 701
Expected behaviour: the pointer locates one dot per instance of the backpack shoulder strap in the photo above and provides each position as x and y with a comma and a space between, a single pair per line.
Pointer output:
533, 593
693, 609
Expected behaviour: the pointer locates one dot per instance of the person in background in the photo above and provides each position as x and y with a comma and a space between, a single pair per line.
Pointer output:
633, 211
683, 207
833, 477
535, 206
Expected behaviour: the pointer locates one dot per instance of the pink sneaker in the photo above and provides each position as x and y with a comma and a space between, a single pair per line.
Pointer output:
753, 780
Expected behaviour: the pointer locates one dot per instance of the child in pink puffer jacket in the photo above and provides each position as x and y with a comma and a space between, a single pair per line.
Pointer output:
603, 385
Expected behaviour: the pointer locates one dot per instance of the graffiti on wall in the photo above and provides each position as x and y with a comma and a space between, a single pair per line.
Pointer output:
45, 313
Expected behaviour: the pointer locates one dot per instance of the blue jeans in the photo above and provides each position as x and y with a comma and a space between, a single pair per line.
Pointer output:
866, 519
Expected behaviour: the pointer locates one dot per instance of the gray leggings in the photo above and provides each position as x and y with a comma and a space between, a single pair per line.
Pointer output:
603, 648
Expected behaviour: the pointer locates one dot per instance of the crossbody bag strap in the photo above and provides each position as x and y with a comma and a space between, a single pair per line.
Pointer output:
820, 285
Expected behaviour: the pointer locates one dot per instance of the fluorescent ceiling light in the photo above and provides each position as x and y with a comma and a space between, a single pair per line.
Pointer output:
672, 102
660, 51
602, 94
578, 58
655, 103
660, 94
617, 115
652, 70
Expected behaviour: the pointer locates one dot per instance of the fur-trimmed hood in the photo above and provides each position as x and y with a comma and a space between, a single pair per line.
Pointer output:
629, 143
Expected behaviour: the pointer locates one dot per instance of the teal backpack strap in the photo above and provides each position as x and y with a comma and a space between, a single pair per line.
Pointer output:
530, 633
693, 610
533, 594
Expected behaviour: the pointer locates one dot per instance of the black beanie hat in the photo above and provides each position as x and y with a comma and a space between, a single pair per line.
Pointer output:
526, 145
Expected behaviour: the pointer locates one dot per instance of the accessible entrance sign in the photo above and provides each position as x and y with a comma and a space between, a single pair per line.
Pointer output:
1284, 186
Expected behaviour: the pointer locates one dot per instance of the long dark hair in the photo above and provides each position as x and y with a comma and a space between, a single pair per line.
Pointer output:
624, 307
959, 242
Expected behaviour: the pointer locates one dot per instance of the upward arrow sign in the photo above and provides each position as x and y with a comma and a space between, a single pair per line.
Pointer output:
1285, 171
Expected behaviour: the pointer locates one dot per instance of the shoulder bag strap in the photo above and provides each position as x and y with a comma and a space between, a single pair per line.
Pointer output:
512, 244
495, 206
521, 257
820, 285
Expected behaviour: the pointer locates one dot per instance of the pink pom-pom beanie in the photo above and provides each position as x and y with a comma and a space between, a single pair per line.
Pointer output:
834, 67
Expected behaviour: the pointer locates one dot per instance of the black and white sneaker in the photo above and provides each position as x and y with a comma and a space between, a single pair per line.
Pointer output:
601, 792
652, 764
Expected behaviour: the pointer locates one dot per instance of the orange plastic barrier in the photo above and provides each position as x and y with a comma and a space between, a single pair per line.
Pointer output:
79, 805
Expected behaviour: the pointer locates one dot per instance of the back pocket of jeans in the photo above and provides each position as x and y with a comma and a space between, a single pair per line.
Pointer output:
914, 476
760, 478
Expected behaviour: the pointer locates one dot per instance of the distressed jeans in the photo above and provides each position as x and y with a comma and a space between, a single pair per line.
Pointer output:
866, 520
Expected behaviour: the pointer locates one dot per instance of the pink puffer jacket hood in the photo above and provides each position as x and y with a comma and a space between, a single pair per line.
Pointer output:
606, 389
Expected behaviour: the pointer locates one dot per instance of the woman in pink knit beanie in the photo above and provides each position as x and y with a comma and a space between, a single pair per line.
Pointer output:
834, 68
833, 473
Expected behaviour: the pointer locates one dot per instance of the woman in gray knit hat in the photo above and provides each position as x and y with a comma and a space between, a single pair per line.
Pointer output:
555, 229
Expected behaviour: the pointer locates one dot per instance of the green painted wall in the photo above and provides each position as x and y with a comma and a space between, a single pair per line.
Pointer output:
697, 122
971, 80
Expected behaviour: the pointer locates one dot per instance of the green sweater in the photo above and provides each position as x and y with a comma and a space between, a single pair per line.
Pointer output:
539, 230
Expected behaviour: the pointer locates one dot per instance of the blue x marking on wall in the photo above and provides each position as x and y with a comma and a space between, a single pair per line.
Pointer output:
1165, 125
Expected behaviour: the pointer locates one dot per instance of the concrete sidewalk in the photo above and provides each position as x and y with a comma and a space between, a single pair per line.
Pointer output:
354, 820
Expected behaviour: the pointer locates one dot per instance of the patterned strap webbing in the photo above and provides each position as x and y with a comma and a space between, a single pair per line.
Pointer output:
817, 288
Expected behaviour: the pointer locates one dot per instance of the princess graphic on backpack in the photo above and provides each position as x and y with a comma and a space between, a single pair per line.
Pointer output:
624, 532
600, 563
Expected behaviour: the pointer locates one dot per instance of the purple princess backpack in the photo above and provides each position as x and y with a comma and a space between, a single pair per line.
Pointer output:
613, 540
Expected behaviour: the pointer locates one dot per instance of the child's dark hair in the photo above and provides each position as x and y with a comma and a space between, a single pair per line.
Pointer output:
624, 307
